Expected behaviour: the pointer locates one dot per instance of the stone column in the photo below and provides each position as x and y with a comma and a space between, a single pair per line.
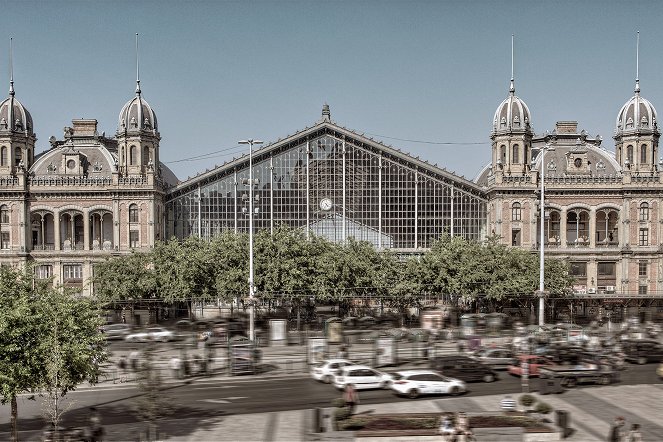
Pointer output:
592, 227
562, 228
86, 231
56, 231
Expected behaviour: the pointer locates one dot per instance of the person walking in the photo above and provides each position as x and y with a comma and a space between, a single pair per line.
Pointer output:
175, 365
634, 434
351, 398
122, 366
508, 404
616, 430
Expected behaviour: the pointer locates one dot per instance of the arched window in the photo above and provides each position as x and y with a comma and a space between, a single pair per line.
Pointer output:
4, 214
3, 156
133, 213
515, 154
643, 154
132, 155
629, 154
516, 212
146, 155
644, 212
17, 156
503, 154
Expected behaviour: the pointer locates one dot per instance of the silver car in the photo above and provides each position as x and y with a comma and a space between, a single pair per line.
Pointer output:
116, 331
497, 358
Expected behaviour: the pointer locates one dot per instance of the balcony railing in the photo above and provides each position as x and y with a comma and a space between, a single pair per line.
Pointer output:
43, 247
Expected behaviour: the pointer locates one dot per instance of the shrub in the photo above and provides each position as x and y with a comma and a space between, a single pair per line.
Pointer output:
338, 403
341, 414
527, 400
543, 408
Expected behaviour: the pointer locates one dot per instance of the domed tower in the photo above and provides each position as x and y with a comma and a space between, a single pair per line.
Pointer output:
511, 134
636, 132
17, 138
138, 136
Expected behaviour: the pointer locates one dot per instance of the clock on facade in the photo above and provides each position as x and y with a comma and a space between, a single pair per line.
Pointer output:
326, 204
71, 164
578, 162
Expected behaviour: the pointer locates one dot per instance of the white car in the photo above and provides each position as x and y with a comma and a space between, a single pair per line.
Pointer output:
159, 334
414, 383
362, 377
326, 370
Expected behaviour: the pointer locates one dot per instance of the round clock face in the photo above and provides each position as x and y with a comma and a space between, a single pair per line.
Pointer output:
578, 162
326, 204
71, 164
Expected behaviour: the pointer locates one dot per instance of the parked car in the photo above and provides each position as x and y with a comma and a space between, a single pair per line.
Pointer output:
327, 369
362, 377
659, 371
159, 334
413, 383
464, 368
533, 361
642, 351
115, 331
495, 357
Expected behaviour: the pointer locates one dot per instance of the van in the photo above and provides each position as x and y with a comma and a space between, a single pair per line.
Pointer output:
463, 368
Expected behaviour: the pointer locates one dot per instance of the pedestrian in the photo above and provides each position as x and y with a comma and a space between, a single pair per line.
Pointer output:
508, 404
634, 435
351, 398
616, 430
175, 365
446, 429
133, 360
95, 429
122, 366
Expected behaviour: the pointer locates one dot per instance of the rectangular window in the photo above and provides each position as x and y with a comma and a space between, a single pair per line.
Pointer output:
642, 269
133, 238
4, 240
72, 272
44, 271
515, 237
606, 269
643, 237
578, 269
4, 215
642, 290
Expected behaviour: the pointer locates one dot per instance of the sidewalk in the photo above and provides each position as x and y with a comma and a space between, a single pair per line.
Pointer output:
591, 412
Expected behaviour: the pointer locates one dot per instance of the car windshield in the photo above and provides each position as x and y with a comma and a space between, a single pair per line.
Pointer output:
397, 376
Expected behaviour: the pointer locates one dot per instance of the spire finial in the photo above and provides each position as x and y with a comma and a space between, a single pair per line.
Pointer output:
137, 68
326, 113
637, 64
11, 68
512, 88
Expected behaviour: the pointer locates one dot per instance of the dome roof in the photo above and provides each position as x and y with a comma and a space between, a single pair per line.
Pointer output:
14, 116
137, 114
637, 114
512, 114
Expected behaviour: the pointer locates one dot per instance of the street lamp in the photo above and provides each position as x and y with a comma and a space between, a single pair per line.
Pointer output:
251, 183
542, 318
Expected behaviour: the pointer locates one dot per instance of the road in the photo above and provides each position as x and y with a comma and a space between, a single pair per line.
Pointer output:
203, 399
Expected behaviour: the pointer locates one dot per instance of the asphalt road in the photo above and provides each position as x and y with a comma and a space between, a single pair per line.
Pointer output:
192, 403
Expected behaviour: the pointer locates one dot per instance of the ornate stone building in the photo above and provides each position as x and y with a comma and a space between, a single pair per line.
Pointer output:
87, 197
602, 209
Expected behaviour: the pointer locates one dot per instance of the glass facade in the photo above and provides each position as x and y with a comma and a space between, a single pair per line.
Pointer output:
333, 186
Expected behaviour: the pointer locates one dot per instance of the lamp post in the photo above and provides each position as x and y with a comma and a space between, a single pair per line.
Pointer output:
252, 332
542, 219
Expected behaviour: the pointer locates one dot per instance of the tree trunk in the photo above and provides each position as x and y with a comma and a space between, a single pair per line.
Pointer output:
14, 424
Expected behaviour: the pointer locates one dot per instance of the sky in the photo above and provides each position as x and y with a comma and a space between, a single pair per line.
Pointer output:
422, 76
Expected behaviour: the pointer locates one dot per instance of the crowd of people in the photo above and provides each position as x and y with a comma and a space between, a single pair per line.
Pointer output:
618, 432
455, 427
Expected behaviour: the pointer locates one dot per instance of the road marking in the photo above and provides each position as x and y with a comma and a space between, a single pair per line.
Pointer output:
214, 401
234, 398
217, 386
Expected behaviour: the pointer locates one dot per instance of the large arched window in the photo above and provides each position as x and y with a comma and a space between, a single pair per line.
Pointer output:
3, 156
4, 214
644, 212
643, 154
516, 212
17, 156
515, 154
629, 154
502, 157
607, 227
577, 227
133, 213
133, 156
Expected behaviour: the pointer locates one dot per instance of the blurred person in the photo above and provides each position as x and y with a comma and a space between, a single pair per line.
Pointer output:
616, 430
95, 430
446, 429
175, 365
122, 365
634, 434
133, 360
351, 397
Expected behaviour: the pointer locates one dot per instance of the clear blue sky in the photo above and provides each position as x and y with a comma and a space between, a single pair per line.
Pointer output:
216, 72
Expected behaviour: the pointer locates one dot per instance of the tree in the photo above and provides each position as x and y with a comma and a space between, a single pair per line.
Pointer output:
49, 340
152, 404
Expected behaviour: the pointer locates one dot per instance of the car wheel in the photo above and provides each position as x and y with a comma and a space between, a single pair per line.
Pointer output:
570, 382
489, 377
327, 379
413, 394
385, 384
605, 380
455, 391
642, 360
